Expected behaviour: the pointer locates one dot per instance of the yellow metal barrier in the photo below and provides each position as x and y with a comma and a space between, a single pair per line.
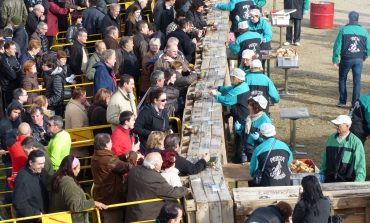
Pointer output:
66, 215
84, 136
178, 123
10, 206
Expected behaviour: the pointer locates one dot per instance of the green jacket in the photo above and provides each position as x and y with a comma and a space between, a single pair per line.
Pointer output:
352, 42
12, 8
231, 94
343, 161
59, 147
71, 197
231, 5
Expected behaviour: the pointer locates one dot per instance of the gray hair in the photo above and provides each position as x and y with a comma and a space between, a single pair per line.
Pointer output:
172, 40
152, 159
110, 30
114, 6
41, 25
156, 75
58, 121
108, 54
38, 7
154, 40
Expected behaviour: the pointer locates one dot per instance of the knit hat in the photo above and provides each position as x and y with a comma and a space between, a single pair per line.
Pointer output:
238, 73
16, 20
261, 101
243, 25
353, 16
267, 129
255, 12
342, 119
248, 54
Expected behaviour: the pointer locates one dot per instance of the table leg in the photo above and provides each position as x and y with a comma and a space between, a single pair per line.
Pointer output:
281, 37
286, 88
293, 144
268, 68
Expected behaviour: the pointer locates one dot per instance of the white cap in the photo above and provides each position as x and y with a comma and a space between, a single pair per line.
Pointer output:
255, 12
267, 129
248, 54
238, 73
261, 101
243, 25
342, 119
256, 64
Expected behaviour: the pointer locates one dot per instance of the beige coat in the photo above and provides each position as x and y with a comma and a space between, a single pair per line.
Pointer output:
75, 115
120, 102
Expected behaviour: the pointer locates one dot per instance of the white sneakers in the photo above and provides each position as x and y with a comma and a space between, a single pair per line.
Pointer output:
288, 43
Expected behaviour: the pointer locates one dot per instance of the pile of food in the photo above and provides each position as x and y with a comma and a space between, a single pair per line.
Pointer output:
302, 166
289, 52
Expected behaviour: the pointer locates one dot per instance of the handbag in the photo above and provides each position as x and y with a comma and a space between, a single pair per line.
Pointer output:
334, 218
258, 176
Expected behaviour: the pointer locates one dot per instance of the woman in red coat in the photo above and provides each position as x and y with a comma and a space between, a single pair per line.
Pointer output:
53, 12
123, 140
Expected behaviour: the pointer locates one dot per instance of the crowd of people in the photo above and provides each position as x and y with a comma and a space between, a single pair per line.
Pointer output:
138, 158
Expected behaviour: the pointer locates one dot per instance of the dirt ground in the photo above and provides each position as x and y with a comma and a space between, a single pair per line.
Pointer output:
316, 80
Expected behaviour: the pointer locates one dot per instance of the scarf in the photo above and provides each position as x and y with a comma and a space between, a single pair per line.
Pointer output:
250, 119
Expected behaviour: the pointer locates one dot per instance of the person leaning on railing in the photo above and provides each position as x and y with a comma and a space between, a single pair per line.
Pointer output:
108, 170
67, 195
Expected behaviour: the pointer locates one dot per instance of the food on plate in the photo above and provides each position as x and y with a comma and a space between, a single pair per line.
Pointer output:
299, 166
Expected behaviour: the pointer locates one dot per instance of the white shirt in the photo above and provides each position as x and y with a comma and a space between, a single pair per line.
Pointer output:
171, 175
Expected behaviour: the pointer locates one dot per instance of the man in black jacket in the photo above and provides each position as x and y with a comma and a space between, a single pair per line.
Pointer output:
164, 14
112, 18
34, 17
172, 142
20, 35
186, 45
78, 55
92, 19
129, 64
11, 72
30, 195
141, 40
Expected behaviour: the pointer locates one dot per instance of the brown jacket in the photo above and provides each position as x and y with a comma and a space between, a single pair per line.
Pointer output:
145, 72
75, 115
143, 184
30, 83
108, 170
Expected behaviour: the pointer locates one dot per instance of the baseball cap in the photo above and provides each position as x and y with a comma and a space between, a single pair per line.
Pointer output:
243, 25
238, 73
342, 119
261, 101
247, 54
267, 129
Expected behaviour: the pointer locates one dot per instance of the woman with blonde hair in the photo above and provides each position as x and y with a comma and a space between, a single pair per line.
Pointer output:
155, 142
133, 17
42, 102
30, 79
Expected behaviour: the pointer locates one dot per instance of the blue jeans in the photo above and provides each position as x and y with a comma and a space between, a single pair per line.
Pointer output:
344, 67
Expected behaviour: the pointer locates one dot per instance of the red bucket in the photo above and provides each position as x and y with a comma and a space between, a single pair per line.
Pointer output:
322, 15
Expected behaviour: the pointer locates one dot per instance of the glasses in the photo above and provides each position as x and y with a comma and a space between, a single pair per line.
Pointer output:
50, 125
163, 100
25, 95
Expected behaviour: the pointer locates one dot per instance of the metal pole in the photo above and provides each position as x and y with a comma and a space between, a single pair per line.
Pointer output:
286, 80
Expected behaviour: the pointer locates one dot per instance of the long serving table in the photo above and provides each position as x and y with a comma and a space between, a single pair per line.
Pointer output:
211, 200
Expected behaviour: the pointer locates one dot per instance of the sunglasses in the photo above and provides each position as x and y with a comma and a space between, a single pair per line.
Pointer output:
163, 100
